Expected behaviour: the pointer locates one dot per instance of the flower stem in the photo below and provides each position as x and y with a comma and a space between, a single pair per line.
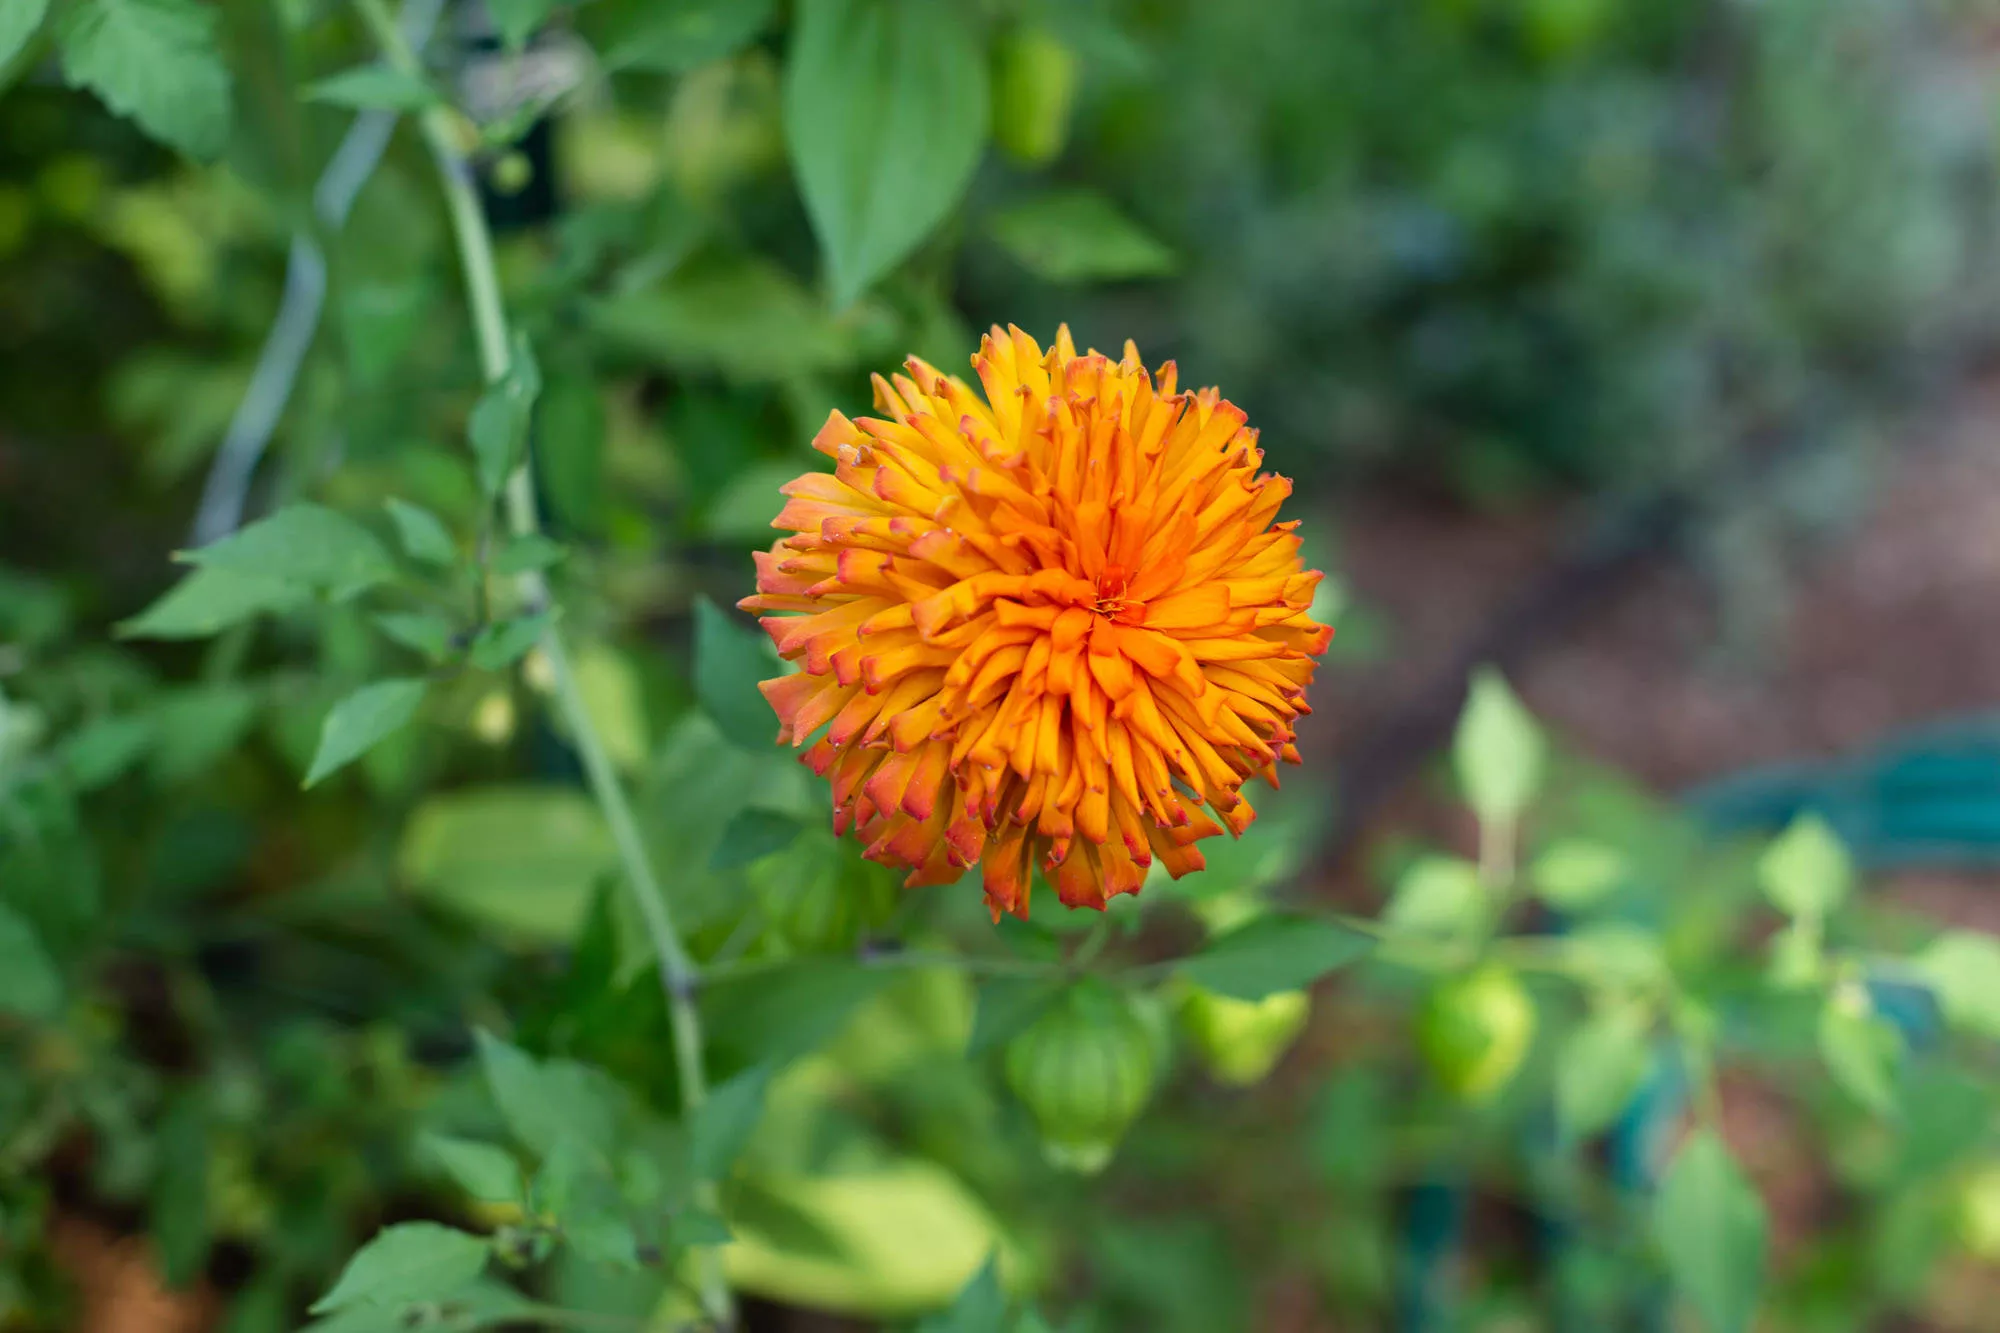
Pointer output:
489, 318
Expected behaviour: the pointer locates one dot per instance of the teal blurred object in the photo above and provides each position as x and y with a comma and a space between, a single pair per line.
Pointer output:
1926, 797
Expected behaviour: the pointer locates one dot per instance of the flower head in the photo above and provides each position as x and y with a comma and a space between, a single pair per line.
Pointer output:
1055, 626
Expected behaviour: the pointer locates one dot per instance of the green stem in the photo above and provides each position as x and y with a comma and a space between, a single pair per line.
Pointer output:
489, 319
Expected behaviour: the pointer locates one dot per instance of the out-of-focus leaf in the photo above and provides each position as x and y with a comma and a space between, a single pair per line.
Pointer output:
483, 1170
19, 19
363, 720
569, 450
1598, 1068
374, 88
104, 750
503, 643
305, 544
1035, 78
209, 601
523, 859
1806, 872
725, 1121
1497, 752
1274, 953
195, 725
981, 1307
423, 534
1078, 236
178, 1205
1859, 1048
532, 551
518, 19
1963, 967
776, 1016
615, 701
1440, 896
1711, 1228
155, 61
752, 836
30, 986
547, 1102
409, 1262
863, 75
425, 632
729, 660
679, 35
1007, 1005
743, 318
1575, 873
498, 427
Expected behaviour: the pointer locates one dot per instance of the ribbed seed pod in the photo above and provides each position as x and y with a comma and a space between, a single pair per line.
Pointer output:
1085, 1069
1475, 1030
1239, 1041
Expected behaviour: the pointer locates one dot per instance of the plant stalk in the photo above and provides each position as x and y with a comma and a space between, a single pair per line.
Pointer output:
678, 975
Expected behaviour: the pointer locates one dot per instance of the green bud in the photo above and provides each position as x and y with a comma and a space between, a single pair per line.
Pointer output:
1240, 1041
512, 173
1085, 1069
1034, 88
1474, 1031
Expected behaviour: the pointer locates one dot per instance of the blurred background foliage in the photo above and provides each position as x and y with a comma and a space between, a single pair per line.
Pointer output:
1505, 252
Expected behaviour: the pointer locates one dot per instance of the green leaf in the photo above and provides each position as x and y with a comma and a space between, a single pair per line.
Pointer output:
178, 1201
1575, 873
1711, 1228
723, 1125
745, 319
729, 660
1078, 236
777, 1016
547, 1102
751, 836
30, 986
19, 20
532, 551
498, 428
483, 1170
1806, 871
102, 751
423, 534
363, 719
1497, 752
1007, 1006
1599, 1068
499, 646
1963, 968
409, 1262
209, 601
1439, 895
521, 859
980, 1308
1860, 1049
155, 61
676, 36
195, 725
569, 451
374, 88
885, 114
305, 544
1274, 953
518, 20
425, 632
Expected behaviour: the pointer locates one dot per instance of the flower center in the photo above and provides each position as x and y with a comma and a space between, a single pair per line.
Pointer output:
1111, 584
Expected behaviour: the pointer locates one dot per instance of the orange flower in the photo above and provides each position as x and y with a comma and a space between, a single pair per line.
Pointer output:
1043, 628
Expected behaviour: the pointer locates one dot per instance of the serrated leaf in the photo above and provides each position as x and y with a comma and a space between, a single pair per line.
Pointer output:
723, 1125
1078, 236
1806, 872
532, 551
305, 544
422, 533
483, 1170
155, 61
1575, 873
729, 660
409, 1262
425, 632
1711, 1227
209, 601
1598, 1069
1497, 752
1963, 968
30, 986
499, 646
676, 36
751, 836
362, 720
374, 88
863, 74
19, 20
1274, 953
1860, 1049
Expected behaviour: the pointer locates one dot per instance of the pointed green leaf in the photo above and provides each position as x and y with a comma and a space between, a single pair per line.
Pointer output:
155, 61
1711, 1227
1598, 1068
498, 429
1576, 873
729, 660
374, 88
751, 836
19, 20
409, 1262
863, 75
209, 601
423, 534
483, 1170
1860, 1049
675, 36
1498, 751
725, 1121
305, 544
533, 551
500, 645
518, 20
1440, 896
1274, 953
1963, 968
1806, 871
425, 632
980, 1308
1079, 236
361, 720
